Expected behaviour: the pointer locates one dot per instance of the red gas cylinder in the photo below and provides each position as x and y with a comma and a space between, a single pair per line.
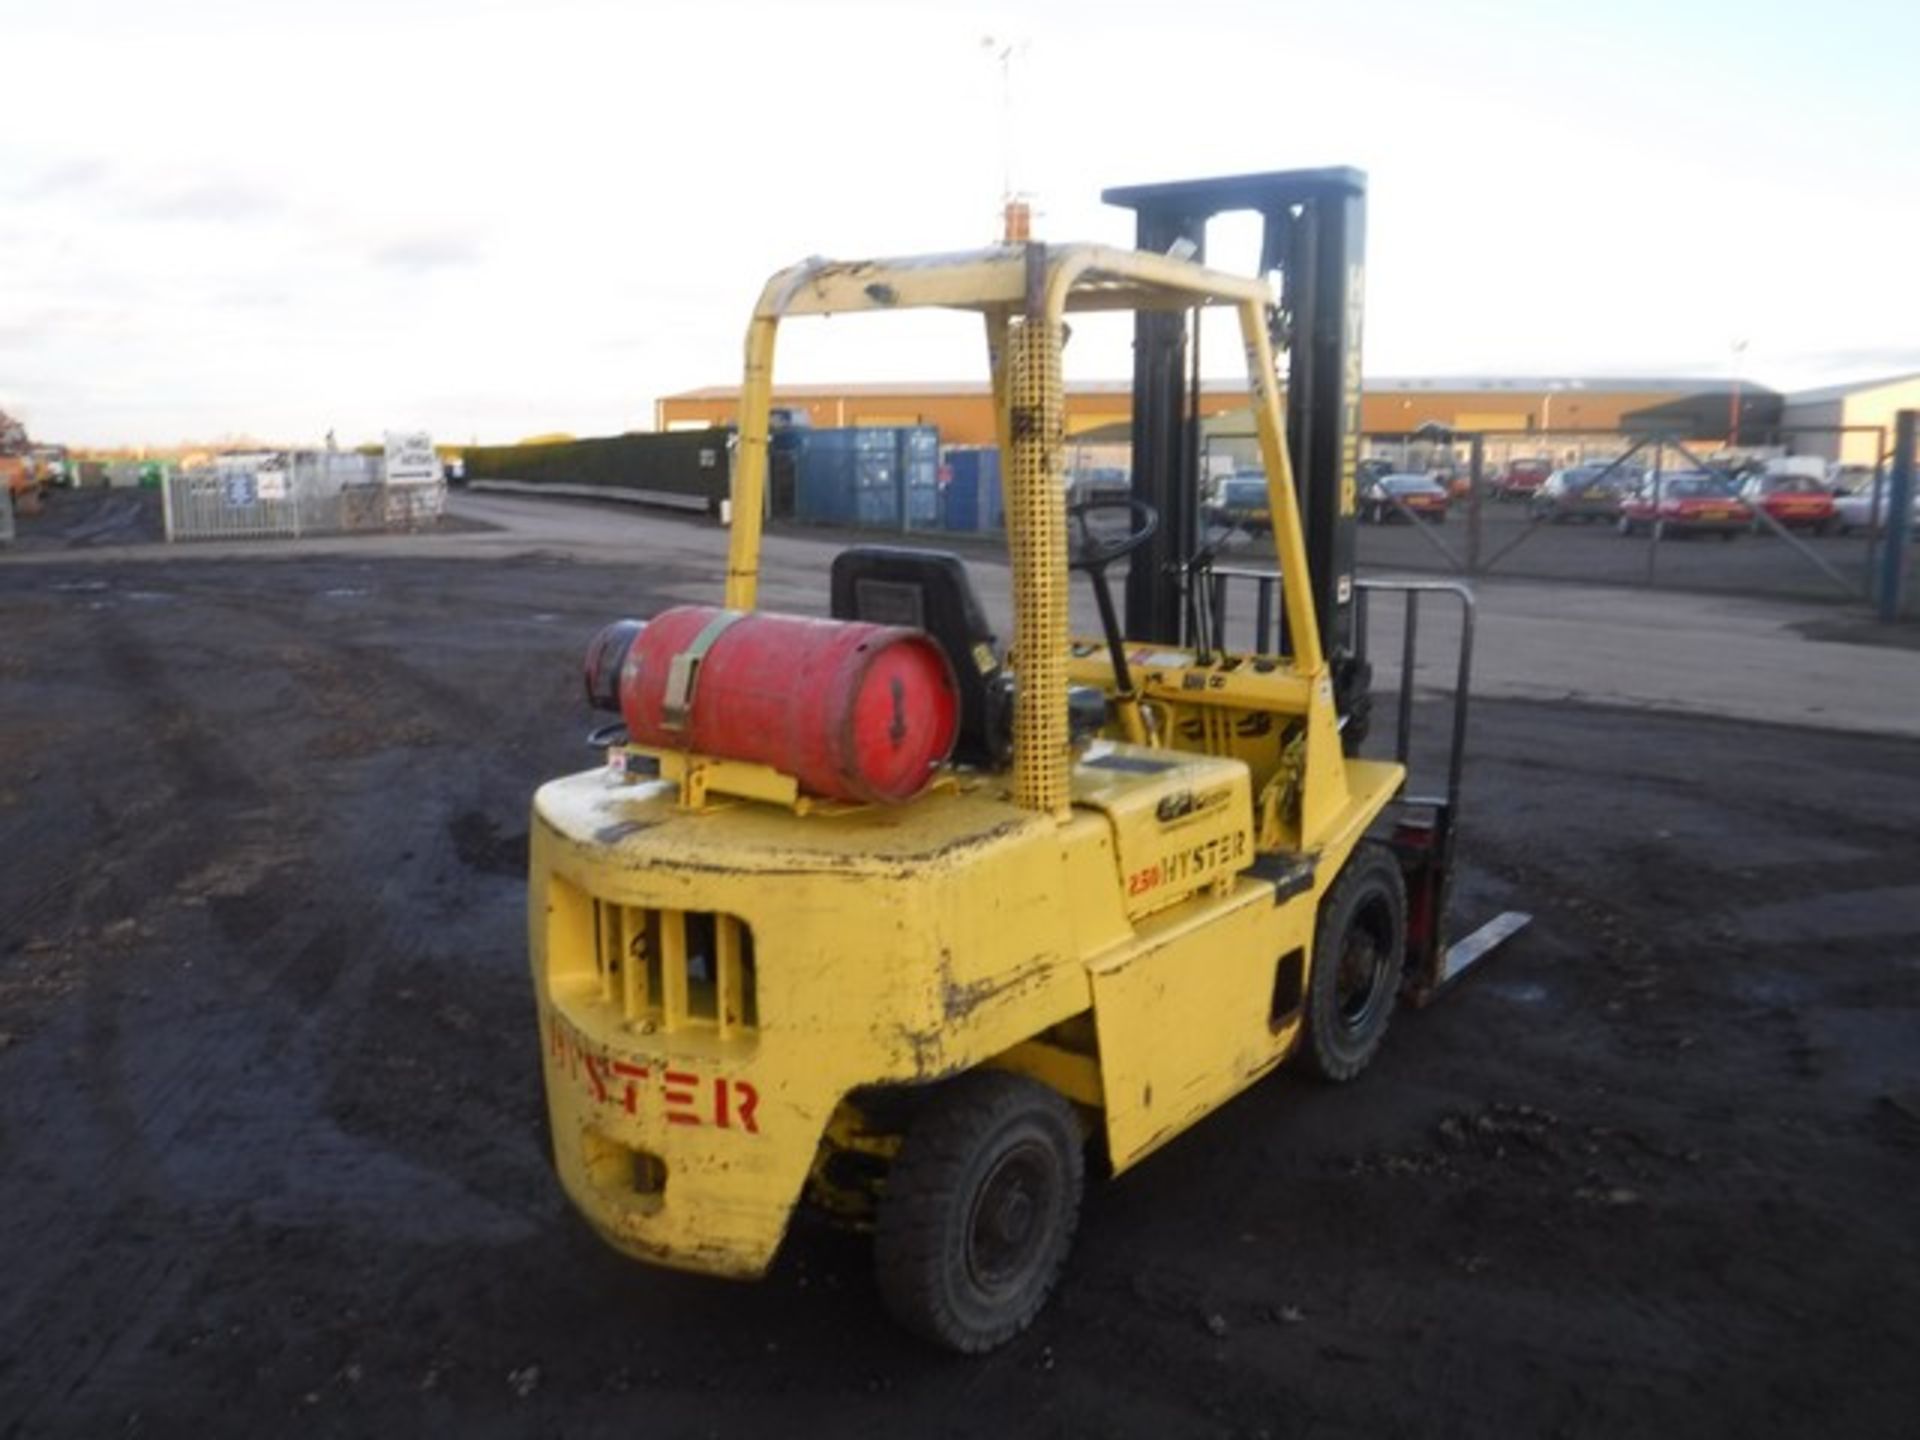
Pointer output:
851, 711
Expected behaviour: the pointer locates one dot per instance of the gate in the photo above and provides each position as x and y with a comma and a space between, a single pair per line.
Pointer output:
288, 495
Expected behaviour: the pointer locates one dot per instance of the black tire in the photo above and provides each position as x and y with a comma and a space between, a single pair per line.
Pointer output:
979, 1210
1359, 949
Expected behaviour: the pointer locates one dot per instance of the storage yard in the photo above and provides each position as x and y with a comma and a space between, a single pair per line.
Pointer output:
268, 1066
979, 753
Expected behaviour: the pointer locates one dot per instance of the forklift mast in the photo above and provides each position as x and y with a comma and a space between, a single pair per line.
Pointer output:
1313, 236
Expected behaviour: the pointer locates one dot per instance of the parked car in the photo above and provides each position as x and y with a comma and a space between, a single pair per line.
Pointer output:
1796, 501
1845, 479
1581, 492
1692, 502
1858, 512
1520, 479
1241, 501
1422, 495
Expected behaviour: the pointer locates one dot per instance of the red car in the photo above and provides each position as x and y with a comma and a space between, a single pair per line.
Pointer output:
1796, 501
1692, 502
1522, 478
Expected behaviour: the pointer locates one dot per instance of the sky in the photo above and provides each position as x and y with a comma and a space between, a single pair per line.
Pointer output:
492, 219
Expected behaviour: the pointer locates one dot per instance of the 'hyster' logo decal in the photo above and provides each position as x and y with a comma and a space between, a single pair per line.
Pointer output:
680, 1096
1193, 863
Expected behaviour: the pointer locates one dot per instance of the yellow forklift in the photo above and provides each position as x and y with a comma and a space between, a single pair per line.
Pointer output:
868, 913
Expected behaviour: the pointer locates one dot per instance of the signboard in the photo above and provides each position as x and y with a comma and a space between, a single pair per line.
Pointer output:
410, 458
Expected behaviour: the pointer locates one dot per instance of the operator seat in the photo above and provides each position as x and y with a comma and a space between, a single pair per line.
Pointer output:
929, 590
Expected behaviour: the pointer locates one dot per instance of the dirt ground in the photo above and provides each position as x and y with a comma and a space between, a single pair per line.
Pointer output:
272, 1139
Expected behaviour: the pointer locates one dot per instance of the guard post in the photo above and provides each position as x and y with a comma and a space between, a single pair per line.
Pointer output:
1899, 513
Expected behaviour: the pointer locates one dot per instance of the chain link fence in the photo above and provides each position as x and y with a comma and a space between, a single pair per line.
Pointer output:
286, 495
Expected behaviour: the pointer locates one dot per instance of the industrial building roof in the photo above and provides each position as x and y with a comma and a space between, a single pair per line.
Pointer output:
1851, 387
1385, 384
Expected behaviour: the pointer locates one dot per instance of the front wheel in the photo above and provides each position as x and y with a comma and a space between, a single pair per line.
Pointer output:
1359, 950
979, 1210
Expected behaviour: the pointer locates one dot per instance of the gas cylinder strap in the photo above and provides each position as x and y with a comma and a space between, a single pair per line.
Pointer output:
683, 669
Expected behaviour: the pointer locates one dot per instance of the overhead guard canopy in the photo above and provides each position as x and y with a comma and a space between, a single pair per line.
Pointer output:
1096, 277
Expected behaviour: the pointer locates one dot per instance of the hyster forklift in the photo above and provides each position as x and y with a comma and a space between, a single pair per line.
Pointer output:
866, 912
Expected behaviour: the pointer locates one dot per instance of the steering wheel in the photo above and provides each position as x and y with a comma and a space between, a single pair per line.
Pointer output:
1091, 552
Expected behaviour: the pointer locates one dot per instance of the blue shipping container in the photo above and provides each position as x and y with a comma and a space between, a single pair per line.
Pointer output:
971, 498
874, 477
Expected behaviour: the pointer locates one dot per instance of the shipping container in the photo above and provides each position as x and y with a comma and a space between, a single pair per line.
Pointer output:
970, 499
879, 477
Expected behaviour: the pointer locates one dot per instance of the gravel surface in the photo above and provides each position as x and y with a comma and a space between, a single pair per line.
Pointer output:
272, 1150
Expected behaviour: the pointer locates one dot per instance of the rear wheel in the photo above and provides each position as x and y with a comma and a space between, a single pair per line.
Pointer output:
1359, 950
979, 1210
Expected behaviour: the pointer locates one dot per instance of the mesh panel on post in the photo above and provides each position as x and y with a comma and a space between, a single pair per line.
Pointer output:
1037, 540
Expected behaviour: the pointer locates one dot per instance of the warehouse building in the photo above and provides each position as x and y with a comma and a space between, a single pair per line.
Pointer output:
1849, 423
963, 412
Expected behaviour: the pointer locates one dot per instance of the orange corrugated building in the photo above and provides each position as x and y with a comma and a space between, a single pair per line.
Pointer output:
964, 414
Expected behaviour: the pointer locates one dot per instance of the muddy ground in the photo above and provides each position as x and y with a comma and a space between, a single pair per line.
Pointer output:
271, 1132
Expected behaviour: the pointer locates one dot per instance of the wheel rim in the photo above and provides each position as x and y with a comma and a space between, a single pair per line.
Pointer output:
1007, 1223
1360, 982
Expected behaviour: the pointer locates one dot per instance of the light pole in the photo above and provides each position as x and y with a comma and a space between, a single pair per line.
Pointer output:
1002, 51
1739, 348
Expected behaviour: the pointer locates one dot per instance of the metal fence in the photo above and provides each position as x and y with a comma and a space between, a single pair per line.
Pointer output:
1479, 518
288, 495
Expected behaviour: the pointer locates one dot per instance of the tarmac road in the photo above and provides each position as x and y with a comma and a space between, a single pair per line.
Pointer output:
1742, 656
271, 1137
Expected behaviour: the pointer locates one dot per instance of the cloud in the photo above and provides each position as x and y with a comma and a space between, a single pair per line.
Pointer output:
253, 298
217, 202
34, 328
1889, 358
420, 254
66, 178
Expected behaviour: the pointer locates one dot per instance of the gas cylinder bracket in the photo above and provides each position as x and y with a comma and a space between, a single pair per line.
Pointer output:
683, 671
